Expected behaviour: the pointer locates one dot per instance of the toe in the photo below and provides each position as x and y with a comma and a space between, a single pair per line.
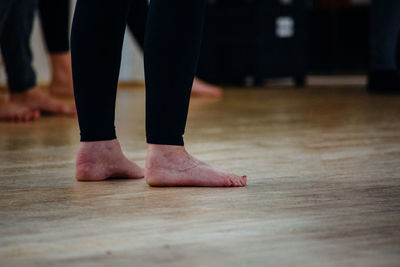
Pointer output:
238, 181
69, 110
228, 182
30, 116
36, 114
234, 180
244, 180
27, 117
136, 173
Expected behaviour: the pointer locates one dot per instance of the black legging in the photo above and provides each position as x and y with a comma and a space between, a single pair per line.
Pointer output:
16, 19
54, 16
16, 24
137, 20
171, 50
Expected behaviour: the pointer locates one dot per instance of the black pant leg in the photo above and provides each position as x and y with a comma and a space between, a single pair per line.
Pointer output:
96, 44
172, 47
54, 16
385, 29
137, 20
5, 6
15, 46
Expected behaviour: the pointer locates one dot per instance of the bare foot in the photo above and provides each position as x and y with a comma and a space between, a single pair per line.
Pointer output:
13, 112
100, 160
61, 75
173, 166
39, 100
203, 89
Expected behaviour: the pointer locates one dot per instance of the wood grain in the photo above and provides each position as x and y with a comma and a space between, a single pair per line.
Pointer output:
323, 166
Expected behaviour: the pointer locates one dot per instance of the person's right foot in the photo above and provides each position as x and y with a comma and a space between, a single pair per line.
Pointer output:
39, 100
100, 160
384, 82
172, 166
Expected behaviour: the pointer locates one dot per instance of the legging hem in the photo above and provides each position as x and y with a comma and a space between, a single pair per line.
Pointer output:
85, 138
19, 89
172, 141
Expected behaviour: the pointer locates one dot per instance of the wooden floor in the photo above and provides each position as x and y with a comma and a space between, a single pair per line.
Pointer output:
323, 167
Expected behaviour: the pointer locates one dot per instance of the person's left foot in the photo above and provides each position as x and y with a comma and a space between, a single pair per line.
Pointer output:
61, 78
203, 89
37, 99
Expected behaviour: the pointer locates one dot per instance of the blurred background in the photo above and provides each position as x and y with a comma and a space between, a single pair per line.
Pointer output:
249, 42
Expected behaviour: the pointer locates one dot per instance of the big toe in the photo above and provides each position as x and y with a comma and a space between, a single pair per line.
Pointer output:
131, 170
136, 172
68, 110
33, 115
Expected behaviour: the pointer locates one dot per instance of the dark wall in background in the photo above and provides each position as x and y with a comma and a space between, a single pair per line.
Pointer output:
339, 39
241, 45
250, 41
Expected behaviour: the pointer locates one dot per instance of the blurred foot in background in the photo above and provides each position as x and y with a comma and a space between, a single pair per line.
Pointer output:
13, 112
203, 89
55, 19
26, 98
37, 99
384, 76
61, 75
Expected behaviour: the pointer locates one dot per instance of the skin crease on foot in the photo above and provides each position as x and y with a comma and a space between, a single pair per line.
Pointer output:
10, 111
37, 99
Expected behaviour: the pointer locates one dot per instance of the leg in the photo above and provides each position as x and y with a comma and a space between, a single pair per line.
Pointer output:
385, 28
5, 7
137, 20
172, 46
15, 43
15, 46
95, 86
137, 24
8, 110
54, 16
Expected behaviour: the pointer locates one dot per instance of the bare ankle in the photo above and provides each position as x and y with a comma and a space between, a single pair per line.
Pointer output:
96, 148
162, 155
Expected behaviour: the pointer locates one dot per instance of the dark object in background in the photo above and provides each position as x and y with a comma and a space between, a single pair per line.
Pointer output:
247, 42
339, 39
384, 82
